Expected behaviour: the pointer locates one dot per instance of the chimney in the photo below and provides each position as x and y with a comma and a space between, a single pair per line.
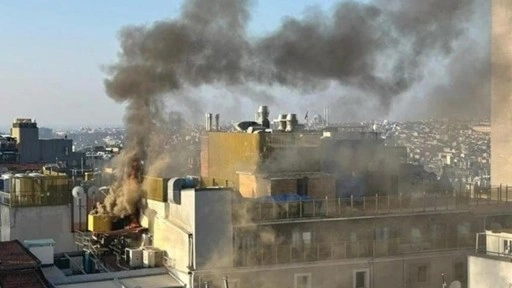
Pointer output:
208, 124
262, 116
217, 116
291, 122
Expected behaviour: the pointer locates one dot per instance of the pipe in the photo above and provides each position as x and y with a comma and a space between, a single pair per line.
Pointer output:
217, 117
208, 123
225, 280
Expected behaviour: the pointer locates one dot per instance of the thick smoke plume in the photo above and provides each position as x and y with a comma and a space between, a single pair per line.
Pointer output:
379, 49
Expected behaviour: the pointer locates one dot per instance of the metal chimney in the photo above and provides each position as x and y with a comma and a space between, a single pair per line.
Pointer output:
208, 124
291, 122
217, 117
281, 122
262, 116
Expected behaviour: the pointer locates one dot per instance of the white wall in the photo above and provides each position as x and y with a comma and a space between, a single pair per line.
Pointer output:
41, 222
487, 272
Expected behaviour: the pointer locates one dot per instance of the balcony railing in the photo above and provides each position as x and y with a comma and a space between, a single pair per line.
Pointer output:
367, 205
494, 245
282, 254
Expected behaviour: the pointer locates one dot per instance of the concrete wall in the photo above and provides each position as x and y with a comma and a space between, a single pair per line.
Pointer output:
213, 228
382, 272
206, 215
40, 222
501, 104
488, 272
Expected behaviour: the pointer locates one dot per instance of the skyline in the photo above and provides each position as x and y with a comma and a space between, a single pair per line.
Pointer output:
60, 52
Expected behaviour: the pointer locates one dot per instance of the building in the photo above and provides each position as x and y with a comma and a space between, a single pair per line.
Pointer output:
209, 233
8, 150
274, 210
19, 267
491, 263
501, 103
31, 149
35, 206
27, 134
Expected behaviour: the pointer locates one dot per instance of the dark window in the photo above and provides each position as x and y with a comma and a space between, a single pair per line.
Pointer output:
422, 274
302, 186
459, 271
360, 279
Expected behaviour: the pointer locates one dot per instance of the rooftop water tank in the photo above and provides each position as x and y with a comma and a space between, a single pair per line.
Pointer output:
6, 179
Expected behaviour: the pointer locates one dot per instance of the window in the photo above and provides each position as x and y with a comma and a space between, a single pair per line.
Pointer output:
361, 278
418, 274
459, 271
381, 233
302, 238
507, 246
422, 274
303, 280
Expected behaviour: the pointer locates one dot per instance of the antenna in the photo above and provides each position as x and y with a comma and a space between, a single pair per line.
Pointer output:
78, 192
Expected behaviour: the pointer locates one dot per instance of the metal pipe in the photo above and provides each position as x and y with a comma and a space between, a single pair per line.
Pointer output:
225, 280
217, 117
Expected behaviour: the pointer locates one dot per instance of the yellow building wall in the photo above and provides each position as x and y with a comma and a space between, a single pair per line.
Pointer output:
229, 153
252, 186
155, 188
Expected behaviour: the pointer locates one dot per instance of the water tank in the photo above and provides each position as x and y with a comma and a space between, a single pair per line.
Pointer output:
6, 180
22, 184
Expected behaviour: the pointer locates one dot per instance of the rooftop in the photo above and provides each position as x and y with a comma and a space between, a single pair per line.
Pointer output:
13, 255
19, 268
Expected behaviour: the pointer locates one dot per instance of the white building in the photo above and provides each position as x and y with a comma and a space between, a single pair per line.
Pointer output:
491, 266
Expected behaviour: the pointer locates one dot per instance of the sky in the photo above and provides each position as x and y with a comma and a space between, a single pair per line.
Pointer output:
52, 53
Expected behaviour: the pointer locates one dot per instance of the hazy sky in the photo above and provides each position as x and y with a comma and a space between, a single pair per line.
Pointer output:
51, 53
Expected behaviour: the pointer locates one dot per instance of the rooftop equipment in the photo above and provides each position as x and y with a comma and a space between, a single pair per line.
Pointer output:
291, 122
217, 118
262, 116
208, 123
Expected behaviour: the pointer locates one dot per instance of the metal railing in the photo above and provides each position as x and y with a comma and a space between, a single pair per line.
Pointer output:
36, 198
282, 254
366, 205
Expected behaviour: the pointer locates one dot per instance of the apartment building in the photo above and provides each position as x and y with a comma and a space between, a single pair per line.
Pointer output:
309, 220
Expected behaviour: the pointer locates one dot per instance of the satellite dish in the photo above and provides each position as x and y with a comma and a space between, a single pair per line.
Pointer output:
93, 190
455, 284
78, 192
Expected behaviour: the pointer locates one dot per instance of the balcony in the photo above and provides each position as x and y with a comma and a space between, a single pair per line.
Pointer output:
376, 205
495, 243
285, 254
